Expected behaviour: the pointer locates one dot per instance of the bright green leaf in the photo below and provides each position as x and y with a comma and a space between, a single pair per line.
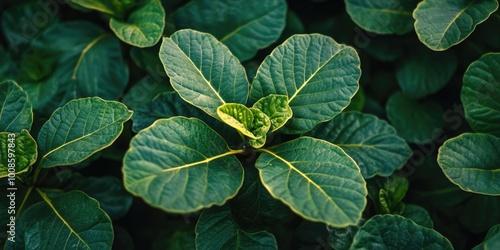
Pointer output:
370, 141
243, 26
419, 215
441, 24
15, 111
79, 129
382, 17
23, 149
261, 125
318, 75
276, 108
316, 179
203, 71
216, 229
177, 164
143, 27
397, 232
491, 240
239, 117
480, 95
472, 161
116, 8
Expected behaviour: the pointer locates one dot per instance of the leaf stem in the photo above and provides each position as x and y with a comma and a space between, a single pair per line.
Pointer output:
24, 200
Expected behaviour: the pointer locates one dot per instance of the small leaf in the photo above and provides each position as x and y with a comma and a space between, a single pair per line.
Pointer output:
23, 150
177, 164
216, 229
261, 125
318, 75
491, 240
480, 95
382, 17
316, 179
143, 27
418, 215
239, 117
472, 161
276, 108
371, 142
243, 26
439, 30
396, 232
203, 71
15, 112
79, 129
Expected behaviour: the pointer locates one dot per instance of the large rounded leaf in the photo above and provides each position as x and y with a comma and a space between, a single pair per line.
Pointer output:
481, 96
181, 165
371, 142
472, 161
396, 232
382, 17
203, 71
16, 112
317, 179
244, 26
79, 129
441, 24
318, 75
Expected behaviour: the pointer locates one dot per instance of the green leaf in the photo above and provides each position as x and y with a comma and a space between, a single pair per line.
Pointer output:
203, 71
480, 95
382, 17
15, 112
341, 238
491, 240
316, 179
419, 215
79, 129
439, 30
318, 75
217, 230
239, 117
397, 232
143, 27
417, 122
144, 91
243, 26
472, 161
276, 108
261, 125
388, 193
23, 149
115, 8
370, 141
177, 164
69, 220
425, 73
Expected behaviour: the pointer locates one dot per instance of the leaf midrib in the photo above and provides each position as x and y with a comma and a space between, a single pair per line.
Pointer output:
84, 52
206, 160
454, 19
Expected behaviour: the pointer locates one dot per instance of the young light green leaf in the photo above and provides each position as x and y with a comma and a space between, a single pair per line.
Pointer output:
382, 17
425, 72
480, 95
316, 179
261, 125
371, 142
396, 232
439, 30
276, 108
417, 122
239, 117
472, 161
318, 75
19, 146
79, 129
69, 220
16, 112
418, 215
491, 240
243, 26
216, 229
177, 164
115, 8
203, 71
143, 27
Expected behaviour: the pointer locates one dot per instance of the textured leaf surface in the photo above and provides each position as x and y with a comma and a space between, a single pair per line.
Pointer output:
439, 30
203, 71
250, 122
397, 232
371, 142
318, 75
481, 96
144, 26
70, 220
24, 151
417, 122
382, 17
276, 108
79, 129
177, 164
316, 179
216, 229
15, 110
244, 26
472, 161
112, 7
